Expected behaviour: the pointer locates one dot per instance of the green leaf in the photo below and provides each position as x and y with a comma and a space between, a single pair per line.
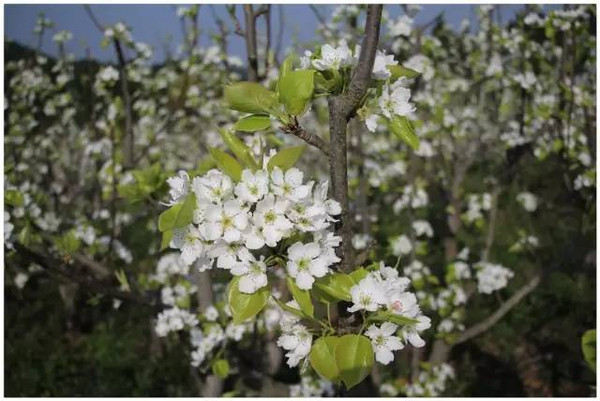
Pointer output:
178, 215
382, 316
166, 239
322, 358
286, 158
245, 306
358, 274
588, 346
13, 197
287, 308
239, 149
122, 279
403, 129
220, 368
295, 90
354, 358
302, 297
336, 285
68, 243
399, 71
250, 97
227, 163
253, 122
285, 68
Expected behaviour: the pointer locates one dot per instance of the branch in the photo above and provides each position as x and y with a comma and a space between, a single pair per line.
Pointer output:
250, 34
52, 265
341, 108
506, 307
307, 137
362, 74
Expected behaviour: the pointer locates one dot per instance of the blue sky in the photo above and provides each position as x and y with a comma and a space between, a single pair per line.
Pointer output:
153, 23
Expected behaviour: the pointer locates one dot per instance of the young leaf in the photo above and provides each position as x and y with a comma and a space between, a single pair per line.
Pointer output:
354, 358
245, 306
285, 68
287, 308
220, 368
399, 71
179, 215
250, 97
588, 346
358, 274
302, 297
390, 317
295, 90
253, 122
322, 358
239, 149
227, 164
403, 129
166, 239
13, 197
336, 285
286, 158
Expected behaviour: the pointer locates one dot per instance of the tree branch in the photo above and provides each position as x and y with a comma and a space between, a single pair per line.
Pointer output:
506, 307
341, 108
250, 35
307, 137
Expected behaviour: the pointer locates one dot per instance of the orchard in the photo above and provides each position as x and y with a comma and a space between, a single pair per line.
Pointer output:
393, 209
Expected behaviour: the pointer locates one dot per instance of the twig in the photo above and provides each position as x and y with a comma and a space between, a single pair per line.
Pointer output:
250, 36
506, 307
311, 139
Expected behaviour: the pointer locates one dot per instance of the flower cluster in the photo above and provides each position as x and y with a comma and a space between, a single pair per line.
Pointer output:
295, 337
233, 219
492, 277
385, 290
432, 382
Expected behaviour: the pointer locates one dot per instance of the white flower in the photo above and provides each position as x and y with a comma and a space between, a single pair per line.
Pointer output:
422, 227
380, 70
298, 341
461, 270
189, 241
235, 331
289, 185
20, 280
179, 187
174, 319
224, 221
228, 253
401, 27
371, 122
368, 294
360, 241
305, 263
410, 333
108, 74
214, 186
253, 186
333, 58
491, 277
401, 246
305, 60
253, 274
394, 101
211, 313
528, 201
269, 223
403, 303
384, 341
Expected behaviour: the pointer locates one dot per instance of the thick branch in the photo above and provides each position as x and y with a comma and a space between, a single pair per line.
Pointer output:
341, 108
506, 307
250, 35
128, 155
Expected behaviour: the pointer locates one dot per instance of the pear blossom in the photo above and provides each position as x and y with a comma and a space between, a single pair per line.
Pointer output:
382, 61
368, 295
528, 201
333, 58
394, 100
492, 277
305, 263
214, 186
298, 341
410, 333
289, 184
228, 254
401, 246
253, 186
253, 274
422, 227
269, 223
190, 242
384, 341
225, 221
